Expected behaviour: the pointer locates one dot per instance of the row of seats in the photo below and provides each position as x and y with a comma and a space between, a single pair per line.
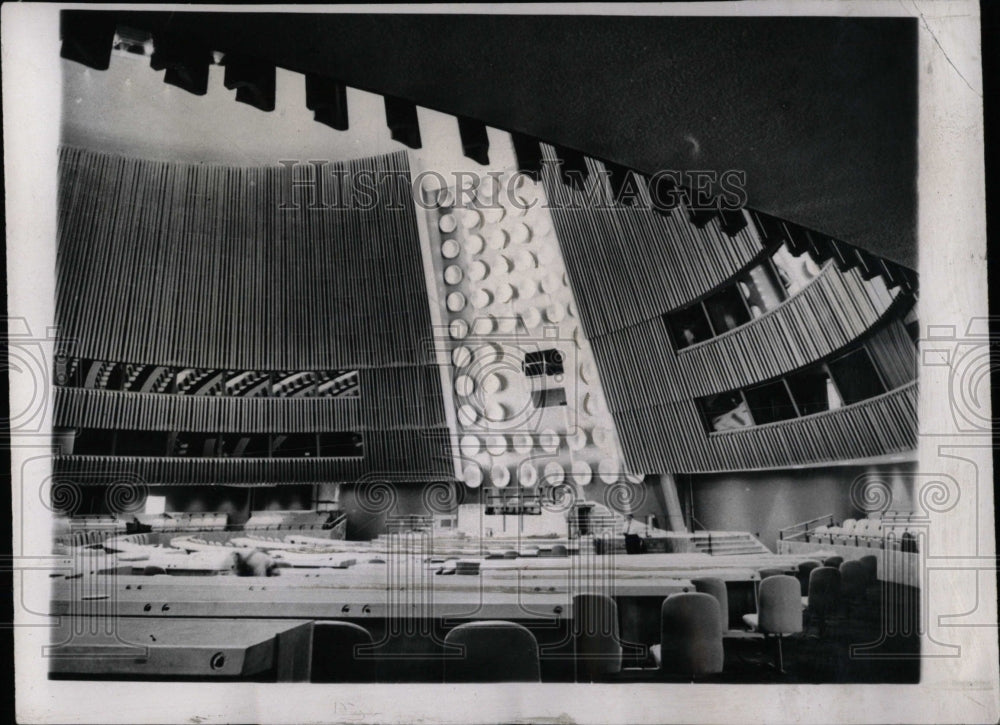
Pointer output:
286, 519
867, 533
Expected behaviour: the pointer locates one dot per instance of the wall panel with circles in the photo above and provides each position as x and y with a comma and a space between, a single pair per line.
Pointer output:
503, 291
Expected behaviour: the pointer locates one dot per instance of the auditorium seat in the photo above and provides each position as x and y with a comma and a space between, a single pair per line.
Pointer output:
559, 550
717, 588
870, 562
853, 583
765, 573
491, 651
833, 561
804, 570
596, 642
336, 656
824, 594
691, 635
779, 611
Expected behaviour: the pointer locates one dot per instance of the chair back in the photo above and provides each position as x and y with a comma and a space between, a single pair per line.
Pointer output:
853, 579
870, 562
833, 561
336, 656
765, 573
717, 588
805, 568
691, 634
824, 589
596, 641
559, 550
491, 651
780, 608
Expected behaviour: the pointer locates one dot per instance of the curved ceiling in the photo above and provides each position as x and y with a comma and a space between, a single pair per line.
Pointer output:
821, 113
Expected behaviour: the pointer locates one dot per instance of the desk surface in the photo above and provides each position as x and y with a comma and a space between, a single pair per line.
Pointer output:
168, 646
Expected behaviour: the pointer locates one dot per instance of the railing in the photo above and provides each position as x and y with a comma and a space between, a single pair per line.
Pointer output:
800, 530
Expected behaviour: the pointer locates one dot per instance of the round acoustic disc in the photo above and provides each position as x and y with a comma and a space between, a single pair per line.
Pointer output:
531, 318
464, 385
453, 274
492, 213
495, 412
520, 234
505, 293
474, 244
527, 475
495, 237
481, 298
496, 445
523, 443
500, 475
578, 440
447, 223
458, 329
450, 249
581, 472
467, 415
554, 473
471, 218
608, 470
469, 445
478, 270
549, 440
492, 383
461, 356
507, 325
473, 475
483, 325
526, 288
456, 301
555, 313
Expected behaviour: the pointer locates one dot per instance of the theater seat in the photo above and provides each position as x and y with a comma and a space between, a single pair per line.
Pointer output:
691, 635
853, 583
833, 561
716, 588
336, 656
491, 651
870, 562
596, 641
804, 570
824, 594
779, 611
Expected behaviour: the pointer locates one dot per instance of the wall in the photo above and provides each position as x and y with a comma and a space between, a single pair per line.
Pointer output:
765, 502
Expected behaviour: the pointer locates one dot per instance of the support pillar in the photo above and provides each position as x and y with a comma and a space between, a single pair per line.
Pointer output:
675, 516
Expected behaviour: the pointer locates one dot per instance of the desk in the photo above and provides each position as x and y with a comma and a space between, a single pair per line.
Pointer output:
178, 647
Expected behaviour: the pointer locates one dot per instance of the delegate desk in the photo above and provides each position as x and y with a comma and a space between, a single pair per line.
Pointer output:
178, 647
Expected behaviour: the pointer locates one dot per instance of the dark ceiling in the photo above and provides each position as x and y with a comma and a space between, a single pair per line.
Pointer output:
821, 113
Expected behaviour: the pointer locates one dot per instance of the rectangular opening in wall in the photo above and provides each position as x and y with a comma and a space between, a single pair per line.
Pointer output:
294, 445
761, 289
543, 362
142, 443
688, 326
301, 384
548, 397
726, 411
770, 402
94, 442
196, 445
193, 381
248, 384
813, 390
341, 445
338, 384
249, 445
855, 376
727, 309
